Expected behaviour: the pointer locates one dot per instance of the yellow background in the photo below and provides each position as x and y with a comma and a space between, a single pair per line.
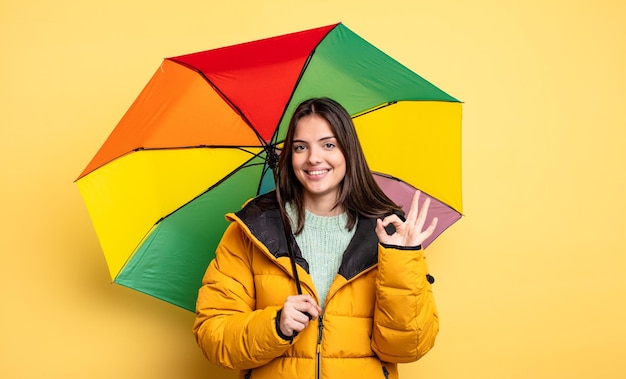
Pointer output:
530, 284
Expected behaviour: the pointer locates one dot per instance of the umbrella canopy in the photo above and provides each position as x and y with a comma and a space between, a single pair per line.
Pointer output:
193, 146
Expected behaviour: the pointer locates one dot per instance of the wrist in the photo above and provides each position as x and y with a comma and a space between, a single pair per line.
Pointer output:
397, 247
278, 330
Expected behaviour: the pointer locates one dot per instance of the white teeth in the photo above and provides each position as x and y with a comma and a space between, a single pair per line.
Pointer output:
317, 172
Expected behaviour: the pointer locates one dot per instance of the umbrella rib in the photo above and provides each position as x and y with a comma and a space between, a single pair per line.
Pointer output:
304, 67
239, 147
375, 109
141, 148
226, 177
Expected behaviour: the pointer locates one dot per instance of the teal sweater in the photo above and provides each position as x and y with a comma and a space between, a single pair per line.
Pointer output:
322, 243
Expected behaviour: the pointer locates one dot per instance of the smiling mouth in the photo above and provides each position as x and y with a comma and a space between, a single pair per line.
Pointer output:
316, 172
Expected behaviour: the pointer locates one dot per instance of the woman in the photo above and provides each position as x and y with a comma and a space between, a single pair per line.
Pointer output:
366, 304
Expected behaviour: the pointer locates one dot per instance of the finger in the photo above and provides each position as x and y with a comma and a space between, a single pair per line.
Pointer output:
300, 299
293, 318
393, 220
312, 313
304, 316
300, 317
288, 325
432, 226
304, 304
309, 299
381, 232
414, 210
310, 310
421, 217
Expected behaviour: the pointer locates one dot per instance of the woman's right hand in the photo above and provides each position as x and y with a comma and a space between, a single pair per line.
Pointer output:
294, 318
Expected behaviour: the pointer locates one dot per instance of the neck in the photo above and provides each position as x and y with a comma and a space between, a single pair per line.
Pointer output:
323, 206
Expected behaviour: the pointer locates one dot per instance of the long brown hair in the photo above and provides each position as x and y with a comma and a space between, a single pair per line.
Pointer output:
359, 194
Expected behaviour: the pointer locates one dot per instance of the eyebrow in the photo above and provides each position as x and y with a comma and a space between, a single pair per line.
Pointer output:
320, 140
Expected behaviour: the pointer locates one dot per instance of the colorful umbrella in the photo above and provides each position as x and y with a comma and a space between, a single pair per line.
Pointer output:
193, 146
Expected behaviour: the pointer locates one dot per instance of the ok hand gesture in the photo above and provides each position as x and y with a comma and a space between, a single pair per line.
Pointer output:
408, 233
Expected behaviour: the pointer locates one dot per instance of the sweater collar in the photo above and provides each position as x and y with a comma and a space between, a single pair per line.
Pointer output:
262, 217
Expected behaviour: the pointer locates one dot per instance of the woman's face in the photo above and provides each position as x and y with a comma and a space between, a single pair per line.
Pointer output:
317, 160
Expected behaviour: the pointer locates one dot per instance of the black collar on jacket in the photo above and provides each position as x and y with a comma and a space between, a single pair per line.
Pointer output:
262, 216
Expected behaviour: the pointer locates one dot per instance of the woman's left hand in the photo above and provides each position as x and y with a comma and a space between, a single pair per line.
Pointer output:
410, 232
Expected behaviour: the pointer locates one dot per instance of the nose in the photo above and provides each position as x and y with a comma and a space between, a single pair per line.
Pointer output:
314, 155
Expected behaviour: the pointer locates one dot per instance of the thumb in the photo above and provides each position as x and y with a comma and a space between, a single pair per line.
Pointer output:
381, 232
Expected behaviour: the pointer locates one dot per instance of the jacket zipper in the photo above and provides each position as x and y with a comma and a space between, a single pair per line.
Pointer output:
320, 329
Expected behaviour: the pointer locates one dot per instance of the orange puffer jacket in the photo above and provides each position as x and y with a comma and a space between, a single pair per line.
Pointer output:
379, 311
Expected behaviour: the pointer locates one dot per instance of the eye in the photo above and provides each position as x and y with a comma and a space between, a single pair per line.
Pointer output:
329, 145
298, 147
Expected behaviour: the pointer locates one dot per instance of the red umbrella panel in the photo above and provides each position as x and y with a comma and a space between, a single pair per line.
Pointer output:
193, 146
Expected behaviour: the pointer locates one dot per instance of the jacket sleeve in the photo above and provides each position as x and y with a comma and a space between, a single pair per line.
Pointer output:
229, 329
405, 315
